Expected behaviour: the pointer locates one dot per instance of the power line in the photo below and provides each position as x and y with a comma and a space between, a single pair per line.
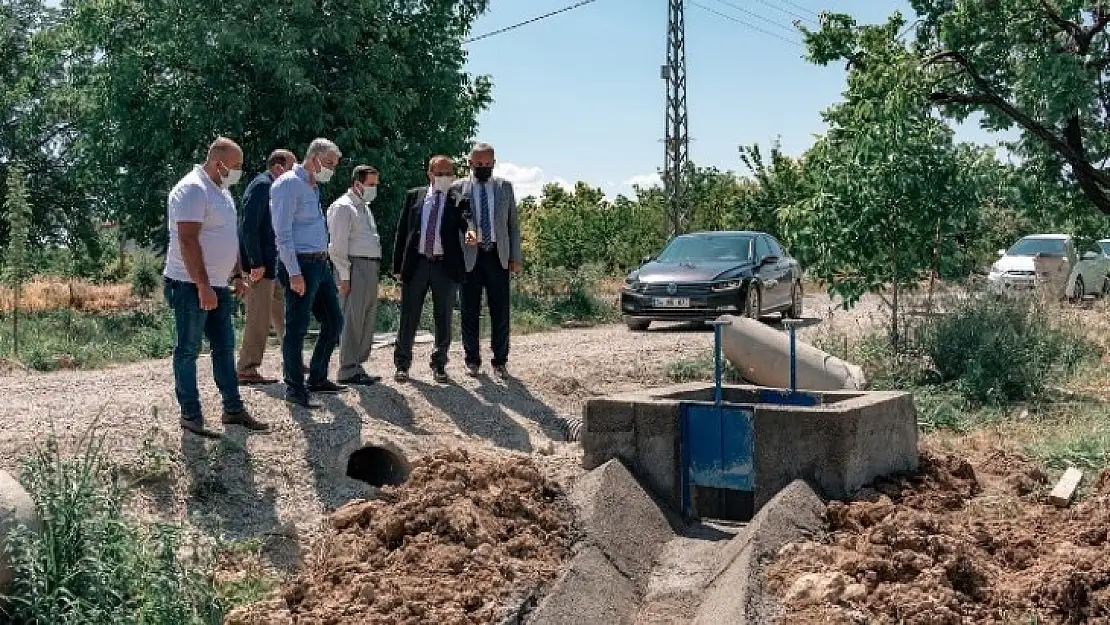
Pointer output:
757, 16
746, 23
786, 11
800, 7
529, 21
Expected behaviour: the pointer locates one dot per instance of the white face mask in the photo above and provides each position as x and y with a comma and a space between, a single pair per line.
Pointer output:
443, 183
369, 193
231, 178
324, 174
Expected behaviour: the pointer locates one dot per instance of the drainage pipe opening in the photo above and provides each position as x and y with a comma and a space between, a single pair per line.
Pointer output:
377, 466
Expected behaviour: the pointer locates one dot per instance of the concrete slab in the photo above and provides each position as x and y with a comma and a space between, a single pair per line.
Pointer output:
620, 518
737, 591
848, 441
591, 591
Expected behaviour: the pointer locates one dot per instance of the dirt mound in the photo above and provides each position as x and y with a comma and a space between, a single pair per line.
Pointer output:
455, 544
953, 544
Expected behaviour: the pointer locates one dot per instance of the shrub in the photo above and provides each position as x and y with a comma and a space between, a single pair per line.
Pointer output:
560, 294
145, 276
89, 565
999, 350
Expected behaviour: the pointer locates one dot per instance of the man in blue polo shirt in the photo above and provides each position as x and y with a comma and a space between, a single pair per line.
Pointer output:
301, 234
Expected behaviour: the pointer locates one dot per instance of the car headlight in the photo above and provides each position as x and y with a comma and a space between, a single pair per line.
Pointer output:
729, 285
632, 284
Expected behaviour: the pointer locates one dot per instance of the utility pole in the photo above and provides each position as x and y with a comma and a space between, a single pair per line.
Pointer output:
677, 138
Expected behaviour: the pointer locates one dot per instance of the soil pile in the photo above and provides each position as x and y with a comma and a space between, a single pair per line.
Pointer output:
955, 545
456, 544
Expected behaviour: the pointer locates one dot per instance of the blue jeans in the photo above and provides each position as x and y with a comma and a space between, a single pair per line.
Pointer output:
320, 299
191, 325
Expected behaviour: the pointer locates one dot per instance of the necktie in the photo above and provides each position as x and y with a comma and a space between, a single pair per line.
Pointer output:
433, 225
487, 226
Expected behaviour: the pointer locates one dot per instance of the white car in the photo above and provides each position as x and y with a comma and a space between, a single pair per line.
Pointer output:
1091, 275
1016, 270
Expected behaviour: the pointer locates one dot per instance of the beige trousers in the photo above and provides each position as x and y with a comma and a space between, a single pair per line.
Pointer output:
265, 305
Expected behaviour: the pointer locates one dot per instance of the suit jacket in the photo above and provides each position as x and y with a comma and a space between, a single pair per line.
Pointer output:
406, 245
506, 222
257, 246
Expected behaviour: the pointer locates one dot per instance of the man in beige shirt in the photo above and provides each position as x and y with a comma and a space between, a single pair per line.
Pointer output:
356, 251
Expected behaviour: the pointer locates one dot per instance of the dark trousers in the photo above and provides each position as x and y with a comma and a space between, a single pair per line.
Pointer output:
429, 275
490, 276
321, 300
191, 324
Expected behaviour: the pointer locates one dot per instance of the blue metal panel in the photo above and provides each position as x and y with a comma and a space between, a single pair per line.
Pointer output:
783, 397
718, 446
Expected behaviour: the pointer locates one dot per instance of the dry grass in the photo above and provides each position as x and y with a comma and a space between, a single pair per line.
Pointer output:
46, 293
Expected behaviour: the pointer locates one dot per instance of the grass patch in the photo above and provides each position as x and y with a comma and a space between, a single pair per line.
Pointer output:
700, 369
68, 339
90, 565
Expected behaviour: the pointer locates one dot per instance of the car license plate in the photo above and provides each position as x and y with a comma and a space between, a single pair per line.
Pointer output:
671, 302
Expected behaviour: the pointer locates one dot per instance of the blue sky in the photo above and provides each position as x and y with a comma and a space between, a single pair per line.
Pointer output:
578, 96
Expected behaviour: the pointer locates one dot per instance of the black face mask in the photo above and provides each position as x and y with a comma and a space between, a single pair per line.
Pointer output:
482, 174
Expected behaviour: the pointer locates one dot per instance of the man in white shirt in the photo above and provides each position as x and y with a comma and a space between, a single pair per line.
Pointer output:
356, 251
201, 260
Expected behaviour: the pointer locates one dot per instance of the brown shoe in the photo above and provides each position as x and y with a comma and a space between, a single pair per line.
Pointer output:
244, 419
254, 379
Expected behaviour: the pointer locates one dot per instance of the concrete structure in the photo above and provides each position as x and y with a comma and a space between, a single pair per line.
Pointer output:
762, 356
839, 446
16, 509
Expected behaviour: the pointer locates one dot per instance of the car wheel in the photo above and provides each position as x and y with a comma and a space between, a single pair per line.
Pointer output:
1079, 291
638, 325
753, 307
795, 311
1105, 286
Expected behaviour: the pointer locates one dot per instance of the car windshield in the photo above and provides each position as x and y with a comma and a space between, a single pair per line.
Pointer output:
711, 248
1105, 247
1036, 246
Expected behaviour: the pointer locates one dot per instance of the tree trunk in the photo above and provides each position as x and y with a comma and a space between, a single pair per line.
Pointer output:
15, 319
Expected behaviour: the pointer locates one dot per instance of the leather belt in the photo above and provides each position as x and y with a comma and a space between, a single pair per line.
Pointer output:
487, 247
312, 256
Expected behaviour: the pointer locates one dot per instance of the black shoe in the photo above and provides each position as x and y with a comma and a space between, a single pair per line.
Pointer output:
439, 374
401, 376
473, 370
304, 402
502, 371
362, 379
327, 387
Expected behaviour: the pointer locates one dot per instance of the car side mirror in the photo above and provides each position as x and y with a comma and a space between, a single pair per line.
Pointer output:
645, 260
767, 260
1001, 252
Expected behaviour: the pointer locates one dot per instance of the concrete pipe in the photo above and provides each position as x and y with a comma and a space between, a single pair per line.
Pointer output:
761, 355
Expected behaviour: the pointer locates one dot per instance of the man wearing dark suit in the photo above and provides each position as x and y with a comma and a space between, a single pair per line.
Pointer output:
427, 255
258, 254
491, 254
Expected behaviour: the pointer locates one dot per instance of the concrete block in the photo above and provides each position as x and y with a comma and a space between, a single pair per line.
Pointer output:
608, 415
737, 592
656, 418
601, 447
657, 464
591, 591
621, 519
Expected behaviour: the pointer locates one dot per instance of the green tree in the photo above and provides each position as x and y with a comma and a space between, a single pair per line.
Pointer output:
36, 128
890, 189
383, 78
1040, 66
18, 218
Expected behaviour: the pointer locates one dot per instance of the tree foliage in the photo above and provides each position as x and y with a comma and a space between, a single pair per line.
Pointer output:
17, 212
891, 195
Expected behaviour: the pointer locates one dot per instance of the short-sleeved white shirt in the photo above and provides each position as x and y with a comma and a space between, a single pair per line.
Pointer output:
195, 198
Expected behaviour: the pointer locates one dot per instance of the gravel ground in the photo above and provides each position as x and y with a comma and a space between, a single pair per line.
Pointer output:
280, 484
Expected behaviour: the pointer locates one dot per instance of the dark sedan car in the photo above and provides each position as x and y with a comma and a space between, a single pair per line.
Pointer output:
704, 275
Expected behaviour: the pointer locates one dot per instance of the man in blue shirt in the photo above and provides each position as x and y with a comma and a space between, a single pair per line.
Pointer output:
301, 234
